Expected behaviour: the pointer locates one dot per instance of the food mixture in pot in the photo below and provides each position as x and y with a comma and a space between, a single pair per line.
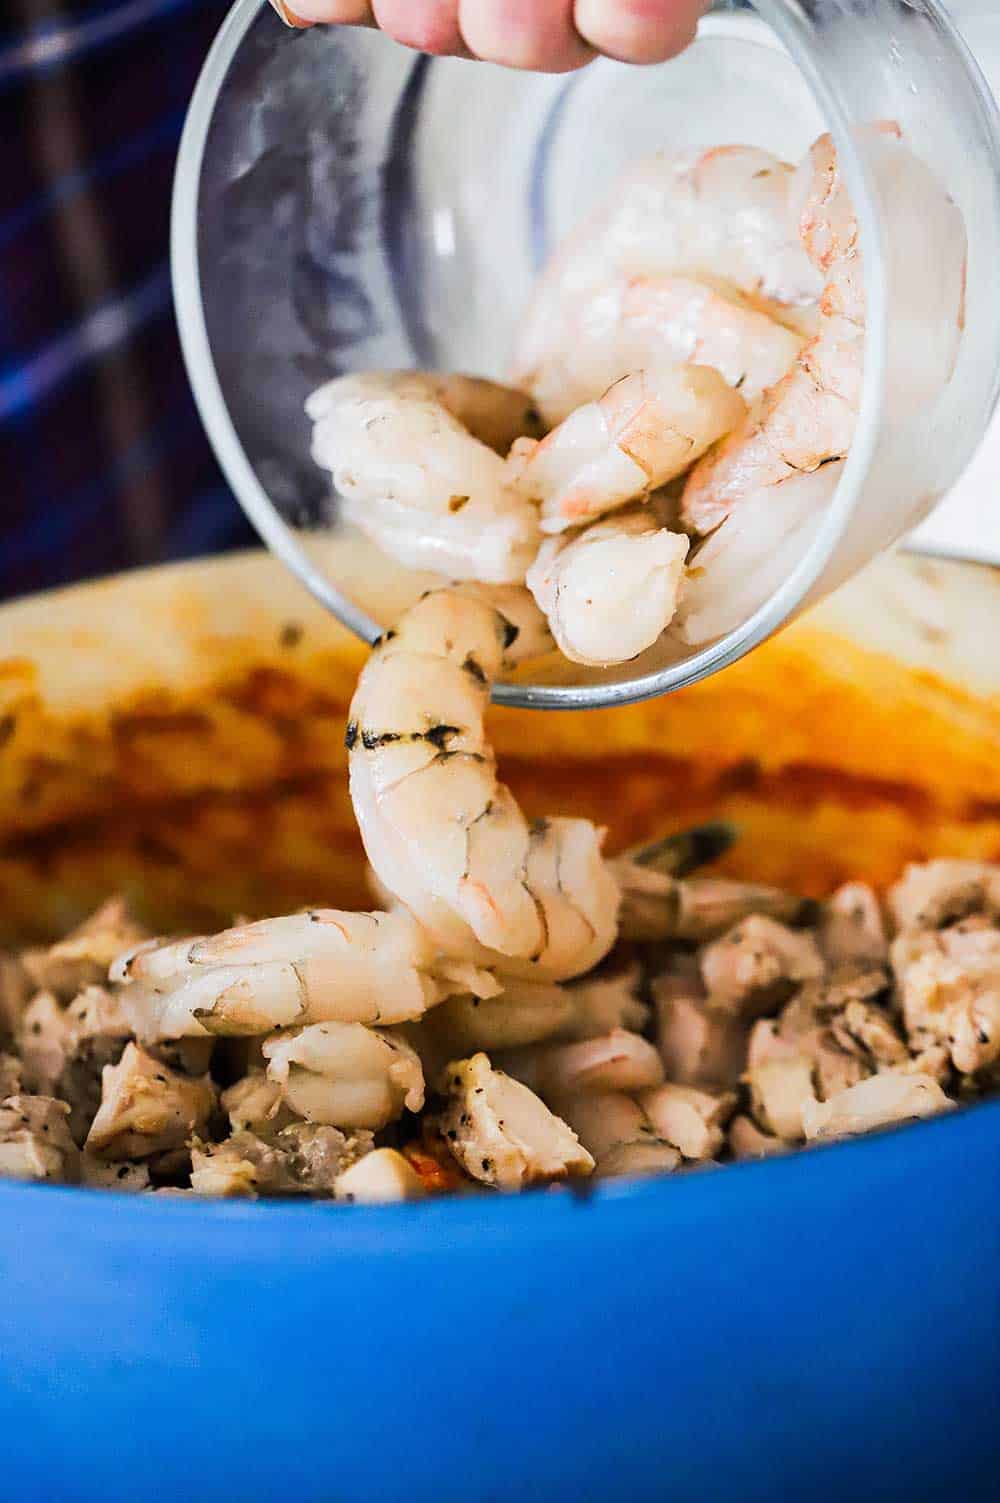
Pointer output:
519, 1010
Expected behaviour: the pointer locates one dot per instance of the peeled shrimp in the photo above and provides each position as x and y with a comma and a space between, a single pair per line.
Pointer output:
413, 459
442, 833
809, 418
748, 557
346, 1075
645, 430
318, 966
722, 215
636, 323
611, 591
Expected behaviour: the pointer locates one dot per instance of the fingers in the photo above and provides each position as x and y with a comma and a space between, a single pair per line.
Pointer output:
535, 34
637, 31
548, 36
427, 25
334, 12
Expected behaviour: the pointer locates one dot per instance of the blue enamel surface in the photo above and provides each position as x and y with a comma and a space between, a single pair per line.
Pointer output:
819, 1327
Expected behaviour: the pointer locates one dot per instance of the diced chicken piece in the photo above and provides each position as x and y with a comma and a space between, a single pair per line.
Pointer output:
617, 1061
876, 1102
35, 1141
126, 1178
84, 957
854, 982
640, 1159
692, 1120
15, 992
502, 1133
346, 1074
603, 1002
780, 1091
803, 1031
147, 1108
949, 986
319, 1154
852, 930
43, 1041
96, 1032
243, 1166
379, 1178
11, 1076
698, 1045
746, 1141
606, 1122
869, 1027
756, 964
939, 892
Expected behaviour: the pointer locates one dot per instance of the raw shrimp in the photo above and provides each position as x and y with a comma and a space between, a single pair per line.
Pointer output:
645, 430
310, 967
440, 830
413, 459
645, 323
809, 418
722, 216
611, 591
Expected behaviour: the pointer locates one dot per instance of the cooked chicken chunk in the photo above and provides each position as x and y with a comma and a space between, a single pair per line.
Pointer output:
502, 1133
756, 964
876, 1102
616, 1131
243, 1166
35, 1141
84, 957
101, 1174
617, 1061
699, 1046
949, 986
746, 1141
43, 1041
939, 892
692, 1121
379, 1177
318, 1154
780, 1092
346, 1074
147, 1108
852, 930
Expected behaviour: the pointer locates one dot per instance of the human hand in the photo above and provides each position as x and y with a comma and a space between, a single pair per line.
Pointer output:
548, 36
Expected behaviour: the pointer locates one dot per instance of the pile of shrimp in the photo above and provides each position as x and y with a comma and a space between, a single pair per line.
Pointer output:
684, 393
519, 1011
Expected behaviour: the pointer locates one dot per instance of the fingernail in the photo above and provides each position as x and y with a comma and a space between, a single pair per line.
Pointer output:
289, 17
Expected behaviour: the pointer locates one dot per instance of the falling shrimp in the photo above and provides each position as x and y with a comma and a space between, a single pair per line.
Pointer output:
416, 461
442, 833
610, 592
643, 432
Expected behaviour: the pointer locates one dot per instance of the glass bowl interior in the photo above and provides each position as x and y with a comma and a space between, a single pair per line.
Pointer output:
343, 204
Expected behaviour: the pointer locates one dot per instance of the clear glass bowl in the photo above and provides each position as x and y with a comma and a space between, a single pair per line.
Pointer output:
342, 204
